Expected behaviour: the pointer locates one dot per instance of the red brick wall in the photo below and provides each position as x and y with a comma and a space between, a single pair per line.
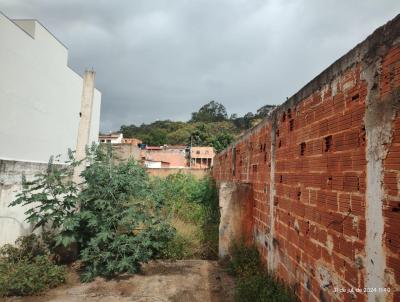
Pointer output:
316, 142
390, 80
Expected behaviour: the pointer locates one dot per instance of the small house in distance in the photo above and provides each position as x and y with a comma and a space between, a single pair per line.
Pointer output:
201, 157
157, 157
165, 156
123, 148
112, 138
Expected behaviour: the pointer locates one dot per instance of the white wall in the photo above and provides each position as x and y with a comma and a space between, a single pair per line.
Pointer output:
152, 164
40, 101
39, 94
12, 219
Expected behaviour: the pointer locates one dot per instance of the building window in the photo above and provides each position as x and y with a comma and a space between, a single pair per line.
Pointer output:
197, 152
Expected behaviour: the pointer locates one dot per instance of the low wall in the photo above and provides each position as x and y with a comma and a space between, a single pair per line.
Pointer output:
324, 170
12, 224
164, 172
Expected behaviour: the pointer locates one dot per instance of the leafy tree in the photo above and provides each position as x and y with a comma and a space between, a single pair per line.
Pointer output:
115, 219
265, 110
243, 123
157, 137
155, 133
130, 131
201, 136
211, 112
248, 117
222, 140
203, 128
179, 137
119, 225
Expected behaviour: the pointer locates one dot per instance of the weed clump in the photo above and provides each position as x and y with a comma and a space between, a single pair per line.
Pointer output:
253, 282
26, 268
192, 207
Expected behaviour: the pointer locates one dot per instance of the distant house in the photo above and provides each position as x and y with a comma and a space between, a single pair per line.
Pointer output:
112, 138
167, 156
123, 148
201, 157
177, 157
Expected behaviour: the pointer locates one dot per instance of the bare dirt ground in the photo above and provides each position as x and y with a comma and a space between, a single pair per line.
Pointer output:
160, 281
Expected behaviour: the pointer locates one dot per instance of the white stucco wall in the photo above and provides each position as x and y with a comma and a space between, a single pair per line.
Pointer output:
12, 219
40, 102
39, 94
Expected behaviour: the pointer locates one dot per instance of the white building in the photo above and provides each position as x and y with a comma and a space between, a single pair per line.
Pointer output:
112, 138
40, 96
45, 108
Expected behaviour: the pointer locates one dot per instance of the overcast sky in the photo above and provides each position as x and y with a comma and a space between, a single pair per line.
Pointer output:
164, 59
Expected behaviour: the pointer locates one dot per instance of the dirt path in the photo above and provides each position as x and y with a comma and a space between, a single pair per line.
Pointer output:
180, 281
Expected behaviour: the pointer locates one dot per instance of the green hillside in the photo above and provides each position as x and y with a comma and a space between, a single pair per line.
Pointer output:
209, 126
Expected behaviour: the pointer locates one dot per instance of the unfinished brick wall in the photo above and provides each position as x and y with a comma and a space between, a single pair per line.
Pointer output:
324, 169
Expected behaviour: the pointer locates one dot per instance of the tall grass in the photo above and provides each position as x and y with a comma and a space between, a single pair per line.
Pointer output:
253, 282
192, 207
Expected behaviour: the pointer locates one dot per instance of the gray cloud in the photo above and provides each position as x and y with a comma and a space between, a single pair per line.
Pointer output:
163, 59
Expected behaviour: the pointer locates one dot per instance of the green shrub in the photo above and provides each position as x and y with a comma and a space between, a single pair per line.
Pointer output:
244, 260
25, 247
180, 247
115, 220
26, 268
119, 225
253, 282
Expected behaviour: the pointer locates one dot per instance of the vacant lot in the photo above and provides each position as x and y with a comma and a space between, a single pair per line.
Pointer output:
184, 280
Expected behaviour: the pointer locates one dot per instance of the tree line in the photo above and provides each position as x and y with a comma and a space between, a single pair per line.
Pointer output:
209, 126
